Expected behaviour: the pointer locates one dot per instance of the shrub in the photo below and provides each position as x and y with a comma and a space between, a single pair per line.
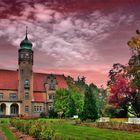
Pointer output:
53, 114
46, 133
38, 129
43, 115
35, 130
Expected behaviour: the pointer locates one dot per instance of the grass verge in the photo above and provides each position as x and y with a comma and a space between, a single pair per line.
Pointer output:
68, 131
7, 132
4, 127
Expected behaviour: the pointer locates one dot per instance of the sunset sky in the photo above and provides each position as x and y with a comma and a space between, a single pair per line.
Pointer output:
71, 37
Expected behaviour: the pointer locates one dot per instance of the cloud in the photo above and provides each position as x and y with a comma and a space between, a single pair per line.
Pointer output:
68, 39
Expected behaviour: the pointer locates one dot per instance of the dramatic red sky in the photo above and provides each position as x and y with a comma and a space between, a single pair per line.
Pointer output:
73, 37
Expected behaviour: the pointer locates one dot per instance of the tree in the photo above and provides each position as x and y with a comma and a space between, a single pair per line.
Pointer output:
78, 85
101, 100
121, 93
79, 101
124, 83
71, 110
68, 102
90, 108
61, 101
115, 71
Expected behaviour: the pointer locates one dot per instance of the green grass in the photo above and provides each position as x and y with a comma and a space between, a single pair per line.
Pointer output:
4, 127
65, 129
7, 132
86, 133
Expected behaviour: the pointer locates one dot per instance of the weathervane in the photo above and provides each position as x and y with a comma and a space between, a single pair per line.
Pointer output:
134, 43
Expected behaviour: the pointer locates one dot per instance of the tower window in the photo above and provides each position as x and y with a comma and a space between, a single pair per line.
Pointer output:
21, 55
26, 84
26, 95
26, 108
1, 96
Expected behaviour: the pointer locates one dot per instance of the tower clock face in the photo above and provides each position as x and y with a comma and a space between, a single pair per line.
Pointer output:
26, 55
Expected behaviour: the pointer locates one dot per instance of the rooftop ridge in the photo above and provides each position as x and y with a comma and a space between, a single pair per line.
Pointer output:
56, 74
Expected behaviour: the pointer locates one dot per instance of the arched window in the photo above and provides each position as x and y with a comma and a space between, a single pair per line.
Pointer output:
14, 109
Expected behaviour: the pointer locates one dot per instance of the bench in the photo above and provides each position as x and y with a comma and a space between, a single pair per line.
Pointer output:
104, 119
133, 121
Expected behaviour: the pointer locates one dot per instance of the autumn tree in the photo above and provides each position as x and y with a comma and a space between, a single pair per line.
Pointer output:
124, 81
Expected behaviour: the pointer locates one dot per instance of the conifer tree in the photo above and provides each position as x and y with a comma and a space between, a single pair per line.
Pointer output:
90, 108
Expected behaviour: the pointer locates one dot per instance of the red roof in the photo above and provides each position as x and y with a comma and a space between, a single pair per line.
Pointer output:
38, 97
9, 80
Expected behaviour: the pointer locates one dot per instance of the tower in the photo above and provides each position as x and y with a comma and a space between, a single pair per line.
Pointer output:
25, 62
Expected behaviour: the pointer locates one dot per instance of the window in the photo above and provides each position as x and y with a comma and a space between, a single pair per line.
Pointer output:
50, 97
21, 55
38, 108
50, 107
26, 84
13, 96
26, 95
1, 96
34, 108
52, 86
26, 108
41, 109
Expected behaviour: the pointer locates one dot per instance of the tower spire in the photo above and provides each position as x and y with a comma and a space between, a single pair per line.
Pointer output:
26, 43
26, 32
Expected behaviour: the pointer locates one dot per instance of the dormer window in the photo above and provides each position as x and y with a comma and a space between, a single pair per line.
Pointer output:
52, 86
51, 80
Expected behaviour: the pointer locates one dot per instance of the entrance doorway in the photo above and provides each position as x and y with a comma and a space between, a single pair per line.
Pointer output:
14, 109
3, 109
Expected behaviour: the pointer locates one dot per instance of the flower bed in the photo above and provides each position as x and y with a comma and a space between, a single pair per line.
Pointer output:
115, 126
38, 129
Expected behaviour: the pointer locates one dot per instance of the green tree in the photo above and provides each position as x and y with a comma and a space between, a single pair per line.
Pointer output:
68, 102
79, 101
90, 109
71, 108
61, 101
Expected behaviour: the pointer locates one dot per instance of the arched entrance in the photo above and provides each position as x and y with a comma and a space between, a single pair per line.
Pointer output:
3, 109
14, 109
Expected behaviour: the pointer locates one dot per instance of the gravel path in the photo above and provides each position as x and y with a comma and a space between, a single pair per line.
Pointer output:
2, 136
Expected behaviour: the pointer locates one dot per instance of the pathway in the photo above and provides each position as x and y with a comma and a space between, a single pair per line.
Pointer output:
2, 136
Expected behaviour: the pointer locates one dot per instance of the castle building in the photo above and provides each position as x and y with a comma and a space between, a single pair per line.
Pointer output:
24, 92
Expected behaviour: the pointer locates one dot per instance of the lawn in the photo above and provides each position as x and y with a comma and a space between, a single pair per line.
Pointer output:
4, 127
87, 133
66, 130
